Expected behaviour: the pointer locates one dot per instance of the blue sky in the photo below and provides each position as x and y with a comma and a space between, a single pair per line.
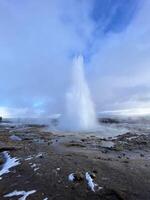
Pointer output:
38, 40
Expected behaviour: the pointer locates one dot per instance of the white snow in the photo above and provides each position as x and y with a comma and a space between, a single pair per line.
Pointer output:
90, 182
35, 169
10, 162
34, 156
133, 137
33, 166
45, 198
71, 177
29, 158
20, 193
39, 155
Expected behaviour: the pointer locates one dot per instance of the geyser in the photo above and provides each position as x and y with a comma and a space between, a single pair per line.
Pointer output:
80, 113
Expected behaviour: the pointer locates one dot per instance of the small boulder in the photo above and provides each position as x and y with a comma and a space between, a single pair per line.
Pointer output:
78, 177
92, 174
108, 121
15, 138
1, 161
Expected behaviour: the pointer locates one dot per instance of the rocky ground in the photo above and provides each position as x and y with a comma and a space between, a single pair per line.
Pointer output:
57, 166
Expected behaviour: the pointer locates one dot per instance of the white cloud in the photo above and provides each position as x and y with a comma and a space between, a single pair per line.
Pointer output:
38, 40
121, 64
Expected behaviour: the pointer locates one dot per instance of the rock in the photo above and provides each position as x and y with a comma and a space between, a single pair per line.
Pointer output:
92, 174
119, 157
74, 144
8, 148
1, 161
126, 136
78, 176
108, 121
125, 161
118, 148
107, 144
95, 171
36, 126
15, 138
142, 155
40, 155
110, 194
104, 151
1, 119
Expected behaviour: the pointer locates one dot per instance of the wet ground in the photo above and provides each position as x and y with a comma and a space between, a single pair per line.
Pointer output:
120, 165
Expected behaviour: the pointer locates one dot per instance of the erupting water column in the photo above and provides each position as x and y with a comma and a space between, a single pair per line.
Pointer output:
80, 112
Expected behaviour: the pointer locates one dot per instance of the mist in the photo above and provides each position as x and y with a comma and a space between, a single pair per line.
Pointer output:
38, 40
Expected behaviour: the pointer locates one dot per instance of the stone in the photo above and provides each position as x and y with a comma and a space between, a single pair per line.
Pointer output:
15, 138
93, 175
78, 177
142, 155
1, 161
108, 121
9, 148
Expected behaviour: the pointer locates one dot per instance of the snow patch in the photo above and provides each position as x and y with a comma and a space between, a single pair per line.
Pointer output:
91, 183
33, 166
34, 156
29, 158
10, 162
39, 155
131, 138
93, 186
20, 193
71, 177
35, 169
